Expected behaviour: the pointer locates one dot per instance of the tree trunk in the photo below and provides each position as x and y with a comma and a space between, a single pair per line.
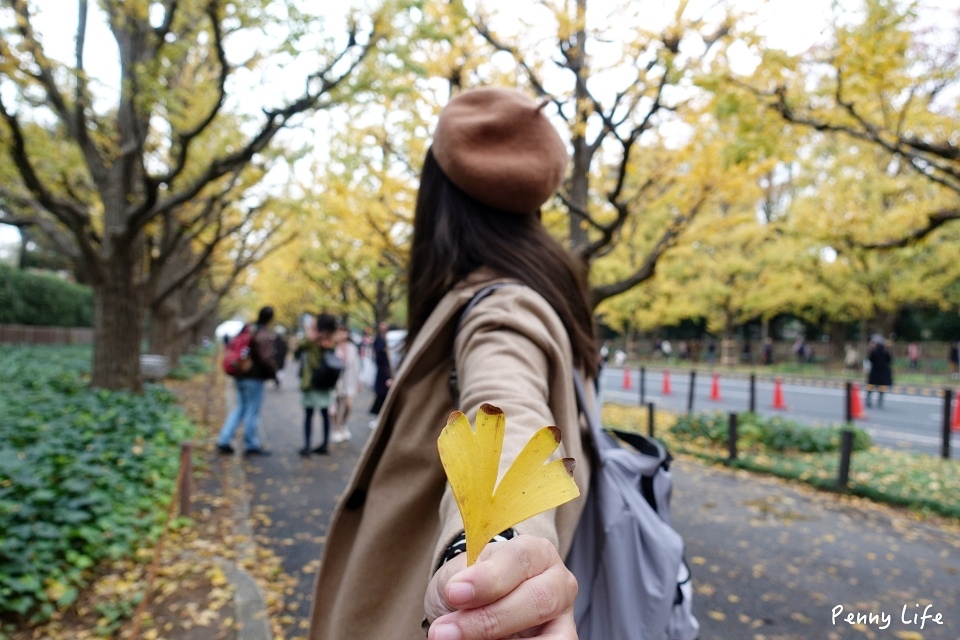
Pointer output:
118, 326
579, 190
164, 335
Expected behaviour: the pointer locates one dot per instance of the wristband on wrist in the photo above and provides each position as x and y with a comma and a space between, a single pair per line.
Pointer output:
459, 545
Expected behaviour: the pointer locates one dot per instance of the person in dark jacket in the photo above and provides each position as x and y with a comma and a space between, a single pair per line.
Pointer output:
381, 357
881, 369
249, 389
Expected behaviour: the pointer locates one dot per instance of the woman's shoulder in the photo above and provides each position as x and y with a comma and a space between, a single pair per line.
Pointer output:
510, 305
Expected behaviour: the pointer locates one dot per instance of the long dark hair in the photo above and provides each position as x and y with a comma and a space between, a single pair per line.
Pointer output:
453, 235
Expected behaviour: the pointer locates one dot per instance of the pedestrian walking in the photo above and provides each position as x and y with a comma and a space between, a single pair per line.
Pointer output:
913, 354
881, 369
711, 352
392, 563
249, 388
767, 353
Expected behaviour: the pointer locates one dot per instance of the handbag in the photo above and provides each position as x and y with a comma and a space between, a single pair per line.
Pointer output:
627, 558
325, 375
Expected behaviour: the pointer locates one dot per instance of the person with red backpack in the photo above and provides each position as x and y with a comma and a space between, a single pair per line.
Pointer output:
251, 360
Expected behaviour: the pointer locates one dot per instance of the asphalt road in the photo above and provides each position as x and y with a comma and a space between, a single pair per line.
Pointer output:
770, 560
906, 422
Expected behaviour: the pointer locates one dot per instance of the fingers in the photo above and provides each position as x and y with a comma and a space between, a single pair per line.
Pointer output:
435, 603
503, 567
518, 587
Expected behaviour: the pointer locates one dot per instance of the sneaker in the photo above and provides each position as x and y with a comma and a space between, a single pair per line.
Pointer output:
372, 424
225, 449
345, 435
336, 437
321, 450
256, 452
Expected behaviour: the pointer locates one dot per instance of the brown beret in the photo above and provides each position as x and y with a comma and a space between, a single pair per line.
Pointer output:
499, 148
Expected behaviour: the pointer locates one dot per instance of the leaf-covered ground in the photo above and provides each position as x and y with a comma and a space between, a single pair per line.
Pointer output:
927, 484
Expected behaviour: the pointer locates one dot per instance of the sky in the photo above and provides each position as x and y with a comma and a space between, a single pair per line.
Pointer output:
791, 25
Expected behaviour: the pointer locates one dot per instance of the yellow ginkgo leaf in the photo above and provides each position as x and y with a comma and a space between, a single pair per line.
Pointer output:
471, 459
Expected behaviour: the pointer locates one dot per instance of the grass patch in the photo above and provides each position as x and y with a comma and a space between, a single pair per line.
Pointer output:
921, 482
85, 475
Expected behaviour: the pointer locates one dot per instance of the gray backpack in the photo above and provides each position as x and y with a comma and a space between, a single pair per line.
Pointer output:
628, 560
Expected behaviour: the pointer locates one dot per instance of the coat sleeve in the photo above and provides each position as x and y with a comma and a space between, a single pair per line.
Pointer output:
512, 351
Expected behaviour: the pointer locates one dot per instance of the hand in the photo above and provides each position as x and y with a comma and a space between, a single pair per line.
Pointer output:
517, 589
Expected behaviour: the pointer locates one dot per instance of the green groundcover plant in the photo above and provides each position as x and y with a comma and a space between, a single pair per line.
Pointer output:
773, 434
84, 474
808, 454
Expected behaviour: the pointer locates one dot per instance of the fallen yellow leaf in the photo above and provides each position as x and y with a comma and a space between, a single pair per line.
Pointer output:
471, 459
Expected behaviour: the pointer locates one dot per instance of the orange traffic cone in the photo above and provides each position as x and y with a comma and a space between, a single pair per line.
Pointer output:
856, 407
666, 383
715, 387
955, 423
626, 377
778, 402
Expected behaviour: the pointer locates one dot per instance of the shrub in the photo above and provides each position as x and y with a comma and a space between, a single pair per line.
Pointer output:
43, 300
775, 433
84, 474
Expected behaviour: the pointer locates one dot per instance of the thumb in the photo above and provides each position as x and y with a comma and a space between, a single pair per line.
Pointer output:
435, 602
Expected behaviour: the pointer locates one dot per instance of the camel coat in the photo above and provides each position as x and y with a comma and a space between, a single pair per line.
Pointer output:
397, 515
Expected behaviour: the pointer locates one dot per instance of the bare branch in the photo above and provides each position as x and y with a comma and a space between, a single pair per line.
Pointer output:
910, 148
74, 120
935, 220
646, 270
275, 121
169, 13
64, 242
532, 77
67, 212
184, 139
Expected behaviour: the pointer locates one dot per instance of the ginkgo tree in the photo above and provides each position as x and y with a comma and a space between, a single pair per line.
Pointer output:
885, 79
140, 150
625, 86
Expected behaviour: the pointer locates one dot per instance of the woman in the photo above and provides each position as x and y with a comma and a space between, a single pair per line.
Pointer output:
347, 385
320, 339
390, 564
881, 370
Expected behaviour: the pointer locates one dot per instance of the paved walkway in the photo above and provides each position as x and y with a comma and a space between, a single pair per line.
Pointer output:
292, 498
771, 561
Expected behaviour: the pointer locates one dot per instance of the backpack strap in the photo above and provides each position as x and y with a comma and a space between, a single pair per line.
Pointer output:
647, 446
452, 382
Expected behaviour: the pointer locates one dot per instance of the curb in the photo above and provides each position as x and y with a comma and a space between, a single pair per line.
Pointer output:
248, 599
249, 604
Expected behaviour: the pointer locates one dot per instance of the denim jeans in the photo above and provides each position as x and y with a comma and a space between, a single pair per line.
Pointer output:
249, 399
